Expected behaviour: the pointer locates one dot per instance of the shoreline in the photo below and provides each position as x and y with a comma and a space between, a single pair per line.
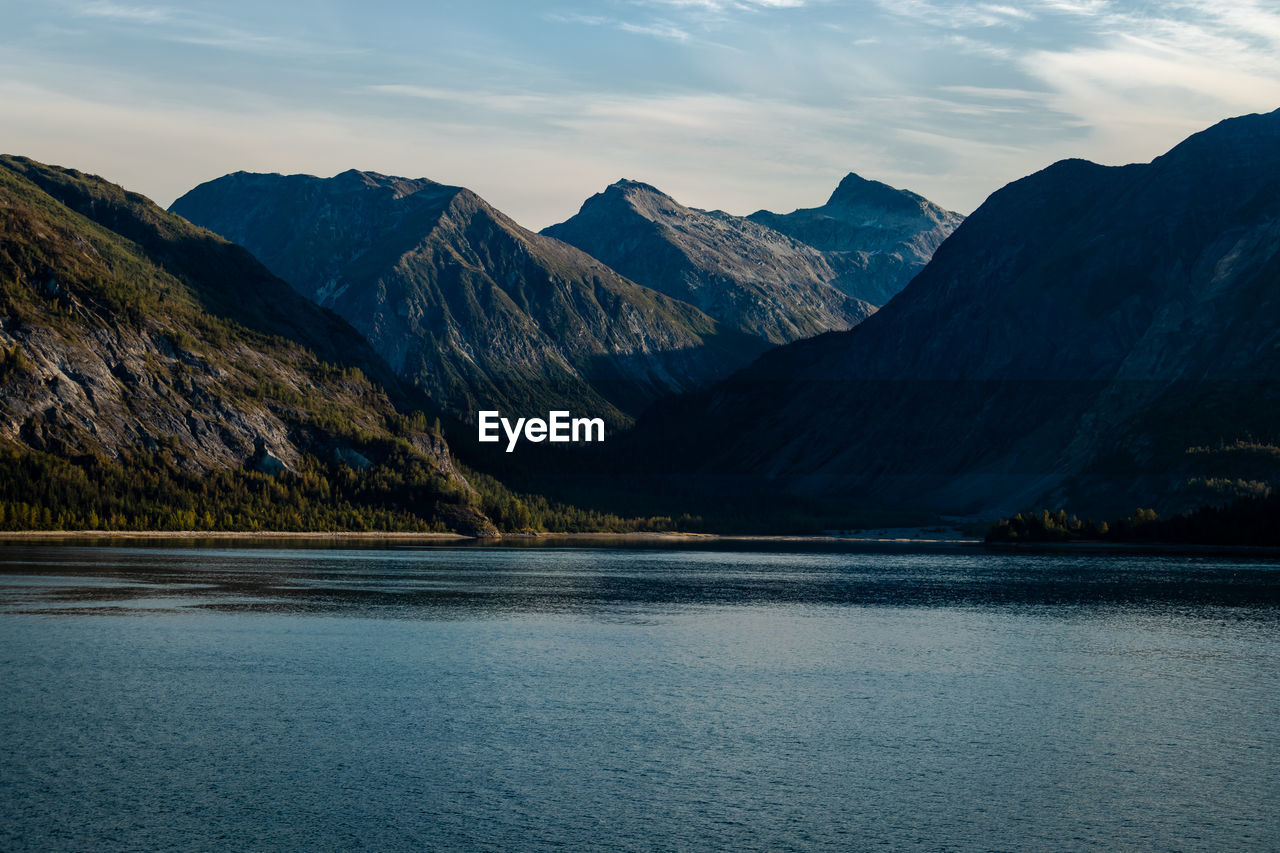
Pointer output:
653, 537
281, 535
880, 538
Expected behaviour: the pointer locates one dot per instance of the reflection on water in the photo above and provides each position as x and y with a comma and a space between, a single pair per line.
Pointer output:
431, 582
635, 699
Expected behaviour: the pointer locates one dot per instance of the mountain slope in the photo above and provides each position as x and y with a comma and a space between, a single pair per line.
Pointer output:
743, 274
143, 350
874, 236
1096, 336
477, 311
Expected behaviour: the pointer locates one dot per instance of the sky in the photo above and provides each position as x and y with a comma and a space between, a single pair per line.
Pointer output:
536, 104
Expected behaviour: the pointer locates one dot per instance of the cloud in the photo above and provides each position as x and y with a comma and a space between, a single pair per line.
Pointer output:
1084, 8
725, 5
955, 16
523, 103
133, 14
978, 47
576, 18
995, 92
659, 29
166, 24
1007, 11
1153, 76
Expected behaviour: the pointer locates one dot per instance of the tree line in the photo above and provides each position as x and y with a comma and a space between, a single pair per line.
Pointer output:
1248, 520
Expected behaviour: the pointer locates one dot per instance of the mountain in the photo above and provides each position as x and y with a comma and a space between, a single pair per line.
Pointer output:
875, 237
155, 375
463, 302
746, 275
1095, 337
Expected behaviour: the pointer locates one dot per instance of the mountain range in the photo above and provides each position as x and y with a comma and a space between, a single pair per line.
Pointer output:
461, 301
1091, 337
746, 275
634, 299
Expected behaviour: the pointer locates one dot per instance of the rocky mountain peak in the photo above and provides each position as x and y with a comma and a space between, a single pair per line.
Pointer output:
628, 186
400, 187
625, 198
855, 190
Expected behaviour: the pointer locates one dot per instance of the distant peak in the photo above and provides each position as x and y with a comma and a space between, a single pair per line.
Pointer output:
853, 182
630, 183
626, 194
372, 179
855, 189
361, 178
627, 185
400, 187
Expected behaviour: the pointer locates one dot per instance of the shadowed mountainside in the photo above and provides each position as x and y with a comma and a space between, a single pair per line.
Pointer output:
1091, 337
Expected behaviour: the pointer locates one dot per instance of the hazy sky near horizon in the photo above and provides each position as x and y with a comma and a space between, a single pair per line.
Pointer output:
537, 104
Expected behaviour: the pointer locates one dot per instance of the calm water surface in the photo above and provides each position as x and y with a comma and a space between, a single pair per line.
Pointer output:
598, 698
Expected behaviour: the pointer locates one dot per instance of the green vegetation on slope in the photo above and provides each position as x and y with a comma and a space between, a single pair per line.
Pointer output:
41, 491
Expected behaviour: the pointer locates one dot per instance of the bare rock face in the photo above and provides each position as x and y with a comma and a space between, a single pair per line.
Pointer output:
746, 275
460, 300
127, 333
1088, 338
118, 390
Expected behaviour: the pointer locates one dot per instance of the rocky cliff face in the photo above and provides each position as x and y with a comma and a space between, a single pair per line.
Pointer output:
875, 237
460, 300
127, 333
1088, 337
746, 275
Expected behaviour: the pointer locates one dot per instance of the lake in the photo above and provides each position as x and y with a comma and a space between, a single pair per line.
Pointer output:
783, 697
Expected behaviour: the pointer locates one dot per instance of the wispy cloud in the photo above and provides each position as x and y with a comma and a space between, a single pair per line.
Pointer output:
956, 16
978, 47
1162, 70
133, 14
725, 5
168, 24
507, 102
995, 92
661, 29
658, 29
1007, 11
1086, 8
